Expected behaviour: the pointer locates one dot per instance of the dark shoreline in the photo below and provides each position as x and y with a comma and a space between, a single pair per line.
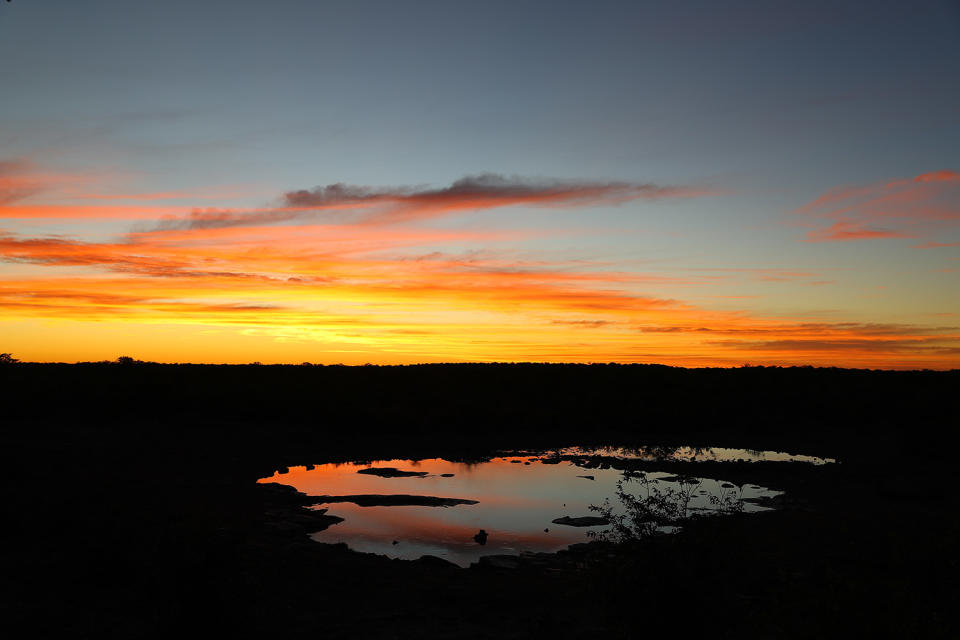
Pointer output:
136, 512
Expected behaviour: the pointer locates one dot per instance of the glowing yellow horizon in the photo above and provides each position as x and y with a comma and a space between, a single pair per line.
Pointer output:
287, 285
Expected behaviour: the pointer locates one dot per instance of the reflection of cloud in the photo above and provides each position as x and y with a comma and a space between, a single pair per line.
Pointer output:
900, 208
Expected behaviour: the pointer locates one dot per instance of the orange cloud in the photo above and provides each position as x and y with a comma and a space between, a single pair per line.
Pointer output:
14, 185
296, 286
21, 178
329, 272
107, 212
925, 204
843, 230
939, 176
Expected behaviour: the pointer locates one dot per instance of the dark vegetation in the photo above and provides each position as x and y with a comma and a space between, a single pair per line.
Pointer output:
132, 510
644, 511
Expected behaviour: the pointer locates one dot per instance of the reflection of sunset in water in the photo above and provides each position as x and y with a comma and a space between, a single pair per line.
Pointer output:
518, 498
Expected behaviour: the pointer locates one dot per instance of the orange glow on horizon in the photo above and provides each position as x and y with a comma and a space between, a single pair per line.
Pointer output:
277, 285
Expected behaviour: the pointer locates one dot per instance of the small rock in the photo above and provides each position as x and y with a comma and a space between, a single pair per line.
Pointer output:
582, 521
391, 472
481, 538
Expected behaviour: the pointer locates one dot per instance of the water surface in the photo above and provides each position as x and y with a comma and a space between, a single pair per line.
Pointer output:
517, 497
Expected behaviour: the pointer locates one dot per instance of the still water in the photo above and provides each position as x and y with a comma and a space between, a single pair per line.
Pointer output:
517, 498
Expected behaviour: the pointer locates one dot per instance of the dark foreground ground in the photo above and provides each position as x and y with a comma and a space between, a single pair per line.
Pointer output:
132, 510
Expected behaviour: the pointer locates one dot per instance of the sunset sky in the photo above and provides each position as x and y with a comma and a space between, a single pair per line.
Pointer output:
689, 183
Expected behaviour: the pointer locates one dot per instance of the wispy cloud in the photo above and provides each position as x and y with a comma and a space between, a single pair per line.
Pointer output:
490, 190
385, 205
295, 285
936, 245
14, 185
890, 347
336, 203
21, 178
845, 230
339, 265
901, 208
80, 213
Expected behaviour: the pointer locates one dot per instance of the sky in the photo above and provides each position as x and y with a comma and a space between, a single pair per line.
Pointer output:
686, 183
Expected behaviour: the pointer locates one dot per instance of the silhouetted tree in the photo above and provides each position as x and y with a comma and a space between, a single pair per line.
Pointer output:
642, 516
6, 358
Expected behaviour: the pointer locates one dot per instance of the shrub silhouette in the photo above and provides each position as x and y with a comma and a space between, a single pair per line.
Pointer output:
646, 514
